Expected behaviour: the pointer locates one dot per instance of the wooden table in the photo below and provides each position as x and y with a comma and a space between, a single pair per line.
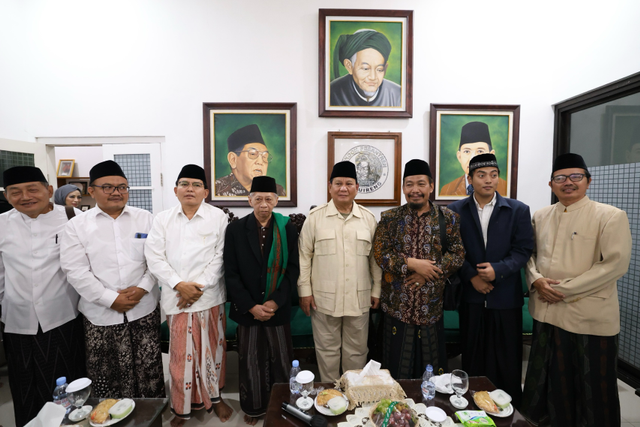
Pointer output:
280, 393
147, 413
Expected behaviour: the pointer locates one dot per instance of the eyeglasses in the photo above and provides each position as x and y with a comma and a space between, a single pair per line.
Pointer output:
574, 177
195, 185
108, 189
253, 154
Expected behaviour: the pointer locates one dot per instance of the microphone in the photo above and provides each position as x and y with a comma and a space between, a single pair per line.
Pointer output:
313, 421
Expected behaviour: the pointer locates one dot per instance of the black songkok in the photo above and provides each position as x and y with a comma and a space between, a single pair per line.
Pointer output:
344, 170
263, 184
20, 174
475, 132
483, 161
106, 168
193, 172
416, 167
245, 135
569, 161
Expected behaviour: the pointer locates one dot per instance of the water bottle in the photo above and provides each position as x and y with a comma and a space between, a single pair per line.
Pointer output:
60, 393
428, 387
293, 384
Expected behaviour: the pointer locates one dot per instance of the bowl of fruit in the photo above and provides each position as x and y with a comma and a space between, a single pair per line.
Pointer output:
391, 413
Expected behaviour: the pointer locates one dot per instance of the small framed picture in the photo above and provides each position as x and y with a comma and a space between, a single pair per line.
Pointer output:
377, 159
65, 168
82, 186
84, 208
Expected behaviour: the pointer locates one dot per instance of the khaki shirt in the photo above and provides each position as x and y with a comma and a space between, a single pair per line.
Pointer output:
336, 261
587, 247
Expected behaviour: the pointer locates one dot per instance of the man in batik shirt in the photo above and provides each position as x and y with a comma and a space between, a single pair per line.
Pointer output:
408, 248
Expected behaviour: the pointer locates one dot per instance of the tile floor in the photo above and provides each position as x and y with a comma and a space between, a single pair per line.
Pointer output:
630, 403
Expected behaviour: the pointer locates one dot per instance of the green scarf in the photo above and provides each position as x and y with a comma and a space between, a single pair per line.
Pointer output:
278, 256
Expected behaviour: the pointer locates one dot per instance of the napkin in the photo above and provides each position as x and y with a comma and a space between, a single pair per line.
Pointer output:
51, 415
443, 383
370, 375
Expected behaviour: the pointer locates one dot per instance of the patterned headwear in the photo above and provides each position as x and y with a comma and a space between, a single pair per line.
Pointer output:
483, 161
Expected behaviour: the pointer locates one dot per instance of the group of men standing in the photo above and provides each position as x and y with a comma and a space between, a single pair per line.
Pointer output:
107, 265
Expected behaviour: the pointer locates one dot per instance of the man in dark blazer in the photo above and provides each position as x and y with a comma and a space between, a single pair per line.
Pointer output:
261, 272
498, 240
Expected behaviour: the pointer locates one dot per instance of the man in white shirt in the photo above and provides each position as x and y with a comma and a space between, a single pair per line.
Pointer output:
102, 252
184, 251
43, 334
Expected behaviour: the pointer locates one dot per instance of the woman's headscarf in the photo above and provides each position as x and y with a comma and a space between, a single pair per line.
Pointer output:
60, 196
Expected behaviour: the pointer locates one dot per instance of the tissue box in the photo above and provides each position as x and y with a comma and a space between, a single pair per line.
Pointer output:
373, 391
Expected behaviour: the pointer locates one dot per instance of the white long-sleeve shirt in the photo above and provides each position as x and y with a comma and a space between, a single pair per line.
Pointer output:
33, 287
183, 250
101, 256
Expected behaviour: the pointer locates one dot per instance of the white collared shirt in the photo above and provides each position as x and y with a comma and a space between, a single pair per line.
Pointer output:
485, 215
183, 250
101, 256
33, 287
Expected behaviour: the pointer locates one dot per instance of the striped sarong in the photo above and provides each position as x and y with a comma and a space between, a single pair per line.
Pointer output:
571, 379
197, 359
265, 354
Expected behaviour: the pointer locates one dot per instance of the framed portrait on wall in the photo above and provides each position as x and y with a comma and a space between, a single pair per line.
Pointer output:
82, 186
245, 140
65, 168
377, 156
366, 63
460, 132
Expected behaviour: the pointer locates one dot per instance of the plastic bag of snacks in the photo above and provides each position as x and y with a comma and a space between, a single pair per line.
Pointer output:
391, 413
475, 419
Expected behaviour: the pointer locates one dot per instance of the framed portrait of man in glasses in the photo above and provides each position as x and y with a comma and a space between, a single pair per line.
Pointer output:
245, 140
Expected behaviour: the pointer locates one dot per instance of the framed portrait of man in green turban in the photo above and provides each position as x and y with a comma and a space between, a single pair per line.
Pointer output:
366, 62
245, 140
460, 132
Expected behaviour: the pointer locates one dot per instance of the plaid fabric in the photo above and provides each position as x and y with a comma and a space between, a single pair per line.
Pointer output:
571, 379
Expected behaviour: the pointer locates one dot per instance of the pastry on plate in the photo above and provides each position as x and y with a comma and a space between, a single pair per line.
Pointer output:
326, 395
101, 412
485, 402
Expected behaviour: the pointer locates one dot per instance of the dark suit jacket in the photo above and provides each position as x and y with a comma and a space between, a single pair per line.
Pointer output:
245, 272
509, 247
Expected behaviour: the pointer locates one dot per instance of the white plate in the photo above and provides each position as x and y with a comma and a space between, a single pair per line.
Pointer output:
326, 411
80, 413
503, 412
113, 420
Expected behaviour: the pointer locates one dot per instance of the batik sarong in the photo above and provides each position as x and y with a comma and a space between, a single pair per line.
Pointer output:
125, 360
407, 348
36, 361
197, 359
571, 379
265, 354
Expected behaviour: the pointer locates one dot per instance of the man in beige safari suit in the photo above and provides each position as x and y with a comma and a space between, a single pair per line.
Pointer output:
339, 278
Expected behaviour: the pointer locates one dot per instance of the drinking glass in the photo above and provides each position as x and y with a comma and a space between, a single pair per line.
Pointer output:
305, 379
460, 385
77, 393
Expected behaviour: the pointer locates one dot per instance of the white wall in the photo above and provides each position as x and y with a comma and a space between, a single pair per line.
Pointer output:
79, 68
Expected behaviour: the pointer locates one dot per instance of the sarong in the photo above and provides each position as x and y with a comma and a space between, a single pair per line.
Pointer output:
125, 360
36, 361
265, 354
571, 379
408, 349
492, 346
197, 359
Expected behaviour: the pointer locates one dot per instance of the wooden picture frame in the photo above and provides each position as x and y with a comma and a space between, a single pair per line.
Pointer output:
82, 186
85, 208
65, 168
449, 161
275, 124
386, 91
377, 156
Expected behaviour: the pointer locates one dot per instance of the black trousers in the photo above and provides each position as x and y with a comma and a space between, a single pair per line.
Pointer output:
36, 361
